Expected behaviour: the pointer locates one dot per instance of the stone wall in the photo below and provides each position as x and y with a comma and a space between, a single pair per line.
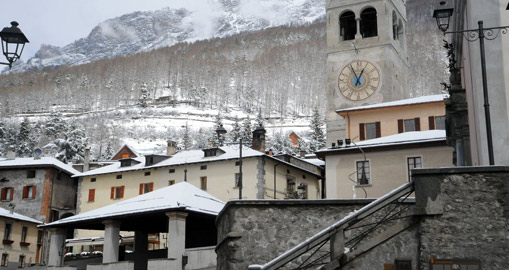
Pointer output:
255, 232
474, 219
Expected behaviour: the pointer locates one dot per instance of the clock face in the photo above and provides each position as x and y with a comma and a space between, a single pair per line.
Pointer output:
358, 80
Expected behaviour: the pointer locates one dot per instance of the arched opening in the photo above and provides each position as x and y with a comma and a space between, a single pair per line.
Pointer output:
401, 32
347, 25
394, 26
369, 27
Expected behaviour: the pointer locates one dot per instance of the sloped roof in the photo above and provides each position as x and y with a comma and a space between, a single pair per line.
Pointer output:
42, 162
403, 102
180, 158
401, 139
182, 196
129, 148
6, 213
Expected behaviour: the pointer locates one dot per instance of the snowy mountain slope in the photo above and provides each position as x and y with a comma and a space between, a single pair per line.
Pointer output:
142, 31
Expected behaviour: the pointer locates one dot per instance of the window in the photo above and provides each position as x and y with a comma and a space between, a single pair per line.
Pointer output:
93, 179
146, 188
210, 152
347, 26
413, 163
119, 176
203, 167
363, 173
368, 25
31, 174
237, 180
172, 170
407, 125
203, 182
24, 231
21, 261
369, 131
7, 193
171, 182
147, 173
117, 192
237, 163
29, 192
91, 195
7, 231
403, 264
5, 259
436, 122
40, 235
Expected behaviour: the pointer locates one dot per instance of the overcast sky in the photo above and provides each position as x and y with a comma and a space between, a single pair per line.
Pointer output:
60, 22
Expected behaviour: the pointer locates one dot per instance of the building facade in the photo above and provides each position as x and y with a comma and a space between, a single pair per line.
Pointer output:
41, 189
21, 240
214, 170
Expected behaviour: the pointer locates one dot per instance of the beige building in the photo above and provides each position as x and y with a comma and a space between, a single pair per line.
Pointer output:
20, 240
214, 170
385, 142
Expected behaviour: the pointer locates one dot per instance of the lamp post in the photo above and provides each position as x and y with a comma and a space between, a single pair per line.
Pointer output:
16, 39
471, 35
220, 132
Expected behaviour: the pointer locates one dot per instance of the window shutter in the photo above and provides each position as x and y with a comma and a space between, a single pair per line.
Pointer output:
378, 131
400, 126
112, 193
362, 134
34, 192
417, 124
151, 186
12, 194
25, 192
141, 189
122, 192
431, 121
91, 195
4, 194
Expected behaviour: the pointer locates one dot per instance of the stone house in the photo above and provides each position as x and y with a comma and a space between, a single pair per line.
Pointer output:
40, 188
21, 240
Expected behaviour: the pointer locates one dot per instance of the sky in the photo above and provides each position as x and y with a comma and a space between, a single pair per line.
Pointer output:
60, 22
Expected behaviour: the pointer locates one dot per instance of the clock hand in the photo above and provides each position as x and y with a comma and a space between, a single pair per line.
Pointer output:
360, 75
355, 74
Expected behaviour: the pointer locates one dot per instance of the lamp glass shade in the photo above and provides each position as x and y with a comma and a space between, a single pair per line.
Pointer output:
13, 42
443, 17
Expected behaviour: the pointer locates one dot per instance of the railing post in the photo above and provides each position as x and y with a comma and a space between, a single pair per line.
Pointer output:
337, 245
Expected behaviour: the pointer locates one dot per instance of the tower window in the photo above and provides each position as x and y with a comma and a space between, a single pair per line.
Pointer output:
369, 26
347, 26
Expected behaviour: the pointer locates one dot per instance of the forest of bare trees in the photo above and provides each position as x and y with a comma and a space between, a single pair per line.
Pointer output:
279, 71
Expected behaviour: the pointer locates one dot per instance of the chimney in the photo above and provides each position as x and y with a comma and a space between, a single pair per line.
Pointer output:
172, 148
37, 153
11, 155
302, 153
11, 208
258, 143
86, 163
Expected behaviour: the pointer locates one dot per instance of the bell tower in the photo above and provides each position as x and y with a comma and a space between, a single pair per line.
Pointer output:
366, 56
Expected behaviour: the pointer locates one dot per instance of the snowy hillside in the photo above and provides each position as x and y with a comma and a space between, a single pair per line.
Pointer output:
143, 31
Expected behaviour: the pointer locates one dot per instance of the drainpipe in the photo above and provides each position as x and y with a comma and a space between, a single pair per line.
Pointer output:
275, 180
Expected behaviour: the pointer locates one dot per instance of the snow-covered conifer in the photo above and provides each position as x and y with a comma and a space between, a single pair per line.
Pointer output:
247, 132
25, 142
236, 132
317, 136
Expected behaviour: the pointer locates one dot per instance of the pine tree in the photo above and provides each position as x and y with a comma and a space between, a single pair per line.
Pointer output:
187, 140
55, 126
3, 135
280, 143
247, 132
217, 139
202, 139
25, 142
236, 132
317, 140
142, 100
259, 119
72, 146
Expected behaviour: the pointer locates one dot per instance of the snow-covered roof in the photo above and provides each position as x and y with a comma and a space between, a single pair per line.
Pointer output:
43, 161
398, 139
182, 196
6, 213
136, 153
180, 158
403, 102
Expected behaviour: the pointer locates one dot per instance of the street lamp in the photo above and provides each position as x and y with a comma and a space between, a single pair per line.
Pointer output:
16, 39
443, 19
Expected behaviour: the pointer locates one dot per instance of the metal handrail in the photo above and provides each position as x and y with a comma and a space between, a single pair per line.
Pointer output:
326, 234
